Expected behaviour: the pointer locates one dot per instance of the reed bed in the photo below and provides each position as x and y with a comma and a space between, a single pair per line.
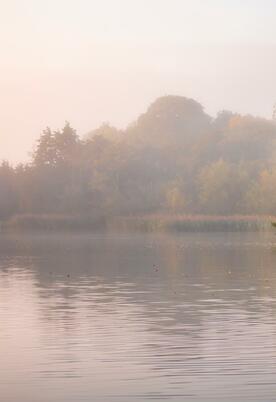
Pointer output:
53, 223
192, 223
146, 223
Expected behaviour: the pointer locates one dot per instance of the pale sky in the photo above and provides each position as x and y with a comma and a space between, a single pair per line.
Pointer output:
89, 61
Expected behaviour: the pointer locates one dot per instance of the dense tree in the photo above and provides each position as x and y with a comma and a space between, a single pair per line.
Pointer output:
173, 159
261, 196
8, 195
45, 153
170, 121
221, 188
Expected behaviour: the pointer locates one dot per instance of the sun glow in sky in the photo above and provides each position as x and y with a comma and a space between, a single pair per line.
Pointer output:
89, 61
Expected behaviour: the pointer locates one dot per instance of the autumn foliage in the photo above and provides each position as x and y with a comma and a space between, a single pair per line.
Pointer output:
174, 159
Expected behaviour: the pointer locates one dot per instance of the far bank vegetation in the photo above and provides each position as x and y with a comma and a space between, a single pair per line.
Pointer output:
174, 167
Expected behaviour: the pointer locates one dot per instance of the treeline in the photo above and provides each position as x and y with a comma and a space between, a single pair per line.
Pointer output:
174, 159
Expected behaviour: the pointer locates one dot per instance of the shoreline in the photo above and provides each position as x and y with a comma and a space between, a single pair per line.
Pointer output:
142, 223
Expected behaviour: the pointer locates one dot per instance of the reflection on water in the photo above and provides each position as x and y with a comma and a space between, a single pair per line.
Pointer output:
138, 318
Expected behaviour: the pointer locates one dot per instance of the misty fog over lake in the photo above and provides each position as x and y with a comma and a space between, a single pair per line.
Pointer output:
137, 200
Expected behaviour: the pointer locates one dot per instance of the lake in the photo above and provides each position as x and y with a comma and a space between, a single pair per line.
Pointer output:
185, 317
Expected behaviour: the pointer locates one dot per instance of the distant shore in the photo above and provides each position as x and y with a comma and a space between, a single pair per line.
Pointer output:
142, 223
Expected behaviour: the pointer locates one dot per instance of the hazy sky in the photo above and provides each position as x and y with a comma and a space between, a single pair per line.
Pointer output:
89, 61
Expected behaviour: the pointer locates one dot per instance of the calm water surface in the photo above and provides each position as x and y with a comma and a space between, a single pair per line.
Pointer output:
104, 318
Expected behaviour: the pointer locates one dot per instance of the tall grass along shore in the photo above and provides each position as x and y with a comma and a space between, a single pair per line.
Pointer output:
145, 223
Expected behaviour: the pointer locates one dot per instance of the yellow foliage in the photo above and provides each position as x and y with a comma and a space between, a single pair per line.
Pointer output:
175, 199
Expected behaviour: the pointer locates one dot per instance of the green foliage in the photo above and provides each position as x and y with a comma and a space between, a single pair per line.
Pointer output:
261, 196
173, 160
191, 223
56, 148
176, 200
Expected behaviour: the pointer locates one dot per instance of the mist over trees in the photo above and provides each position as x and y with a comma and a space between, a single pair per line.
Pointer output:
173, 159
